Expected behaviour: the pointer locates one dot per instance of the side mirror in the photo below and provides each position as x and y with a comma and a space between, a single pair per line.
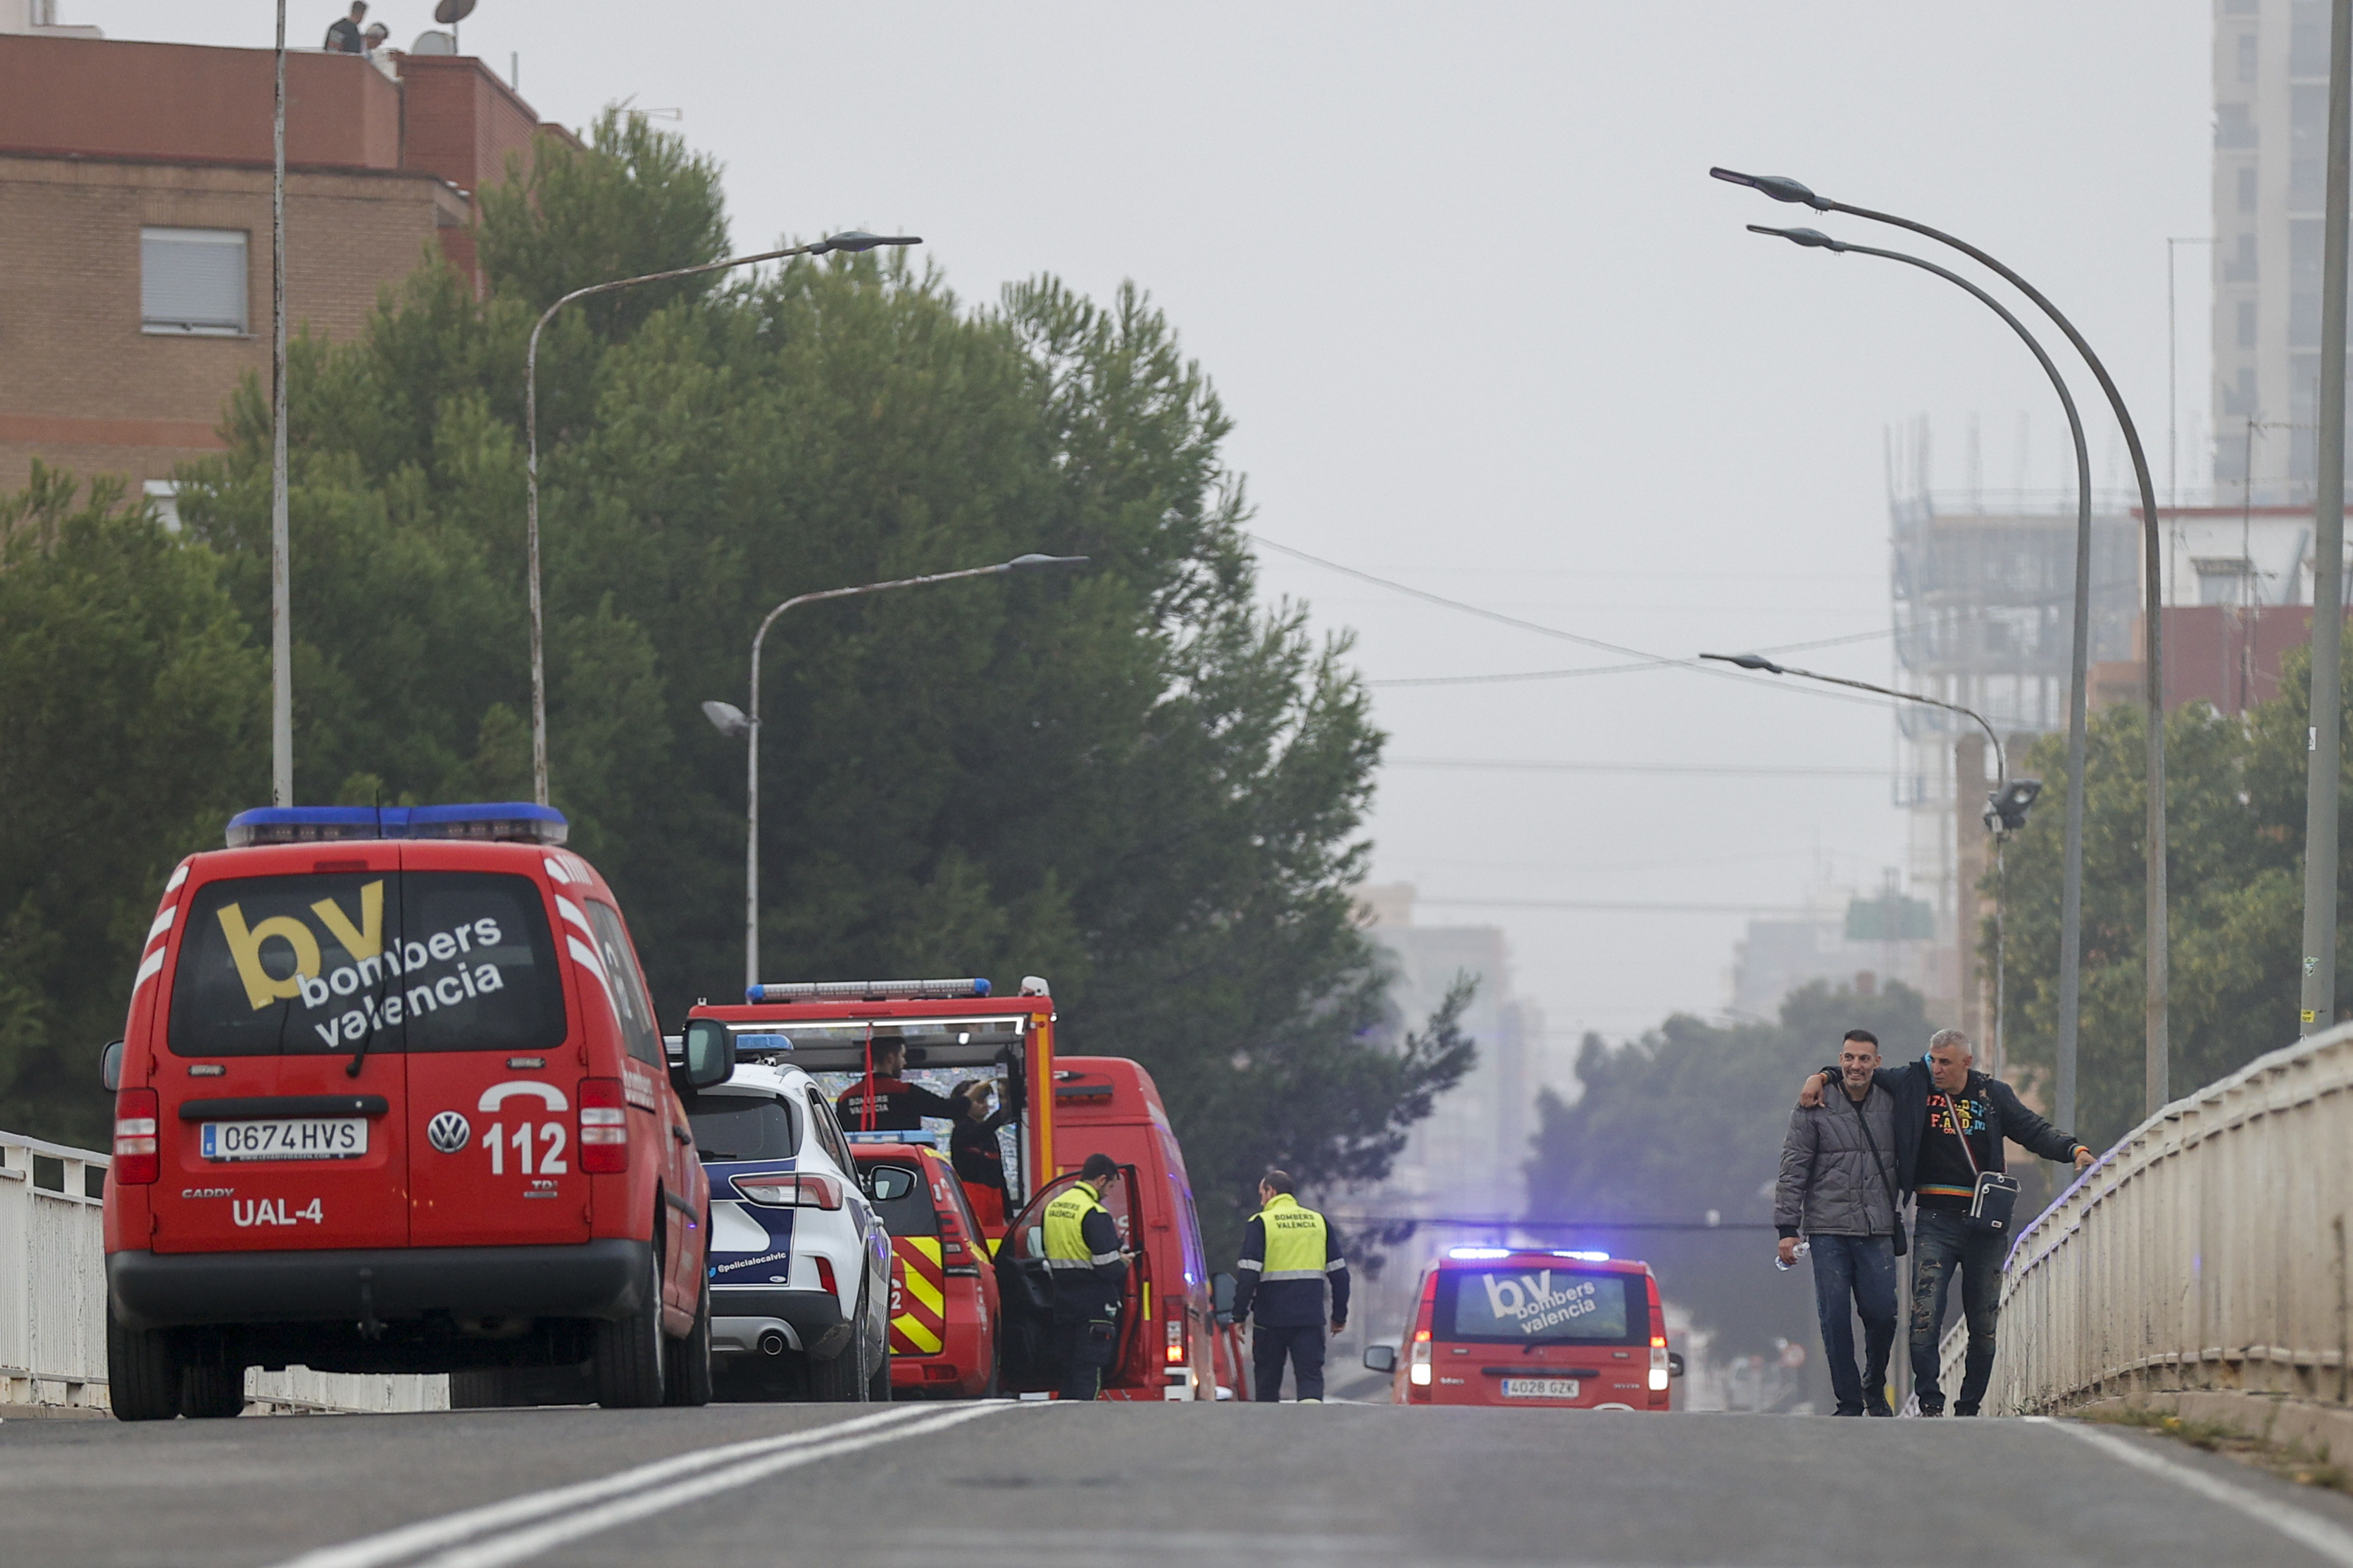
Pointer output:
889, 1183
1222, 1299
709, 1053
1674, 1364
1380, 1358
109, 1066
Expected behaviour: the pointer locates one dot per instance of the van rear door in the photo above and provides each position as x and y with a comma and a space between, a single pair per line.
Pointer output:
492, 1084
277, 987
1025, 1294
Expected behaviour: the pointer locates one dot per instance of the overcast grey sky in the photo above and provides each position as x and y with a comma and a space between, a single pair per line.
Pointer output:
1486, 326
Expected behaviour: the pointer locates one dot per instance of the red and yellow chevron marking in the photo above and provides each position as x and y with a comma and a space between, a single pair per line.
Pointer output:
919, 1296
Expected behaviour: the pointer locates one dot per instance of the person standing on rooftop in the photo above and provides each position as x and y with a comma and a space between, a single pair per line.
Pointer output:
344, 35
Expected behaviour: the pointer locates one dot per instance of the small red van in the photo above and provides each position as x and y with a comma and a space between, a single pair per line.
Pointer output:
943, 1295
391, 1097
1503, 1326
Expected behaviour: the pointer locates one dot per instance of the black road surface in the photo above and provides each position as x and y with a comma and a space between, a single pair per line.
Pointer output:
1046, 1486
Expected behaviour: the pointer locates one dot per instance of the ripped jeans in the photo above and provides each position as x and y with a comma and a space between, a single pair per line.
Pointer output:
1941, 1243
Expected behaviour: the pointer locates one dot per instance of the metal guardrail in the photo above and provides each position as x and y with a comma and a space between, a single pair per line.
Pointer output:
2206, 1250
53, 1300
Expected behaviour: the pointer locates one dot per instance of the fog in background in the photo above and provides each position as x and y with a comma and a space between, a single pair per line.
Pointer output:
1486, 326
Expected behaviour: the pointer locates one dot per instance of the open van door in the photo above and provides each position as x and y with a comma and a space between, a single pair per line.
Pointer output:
1026, 1292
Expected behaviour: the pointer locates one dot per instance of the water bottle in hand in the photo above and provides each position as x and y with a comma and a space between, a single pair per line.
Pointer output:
1802, 1249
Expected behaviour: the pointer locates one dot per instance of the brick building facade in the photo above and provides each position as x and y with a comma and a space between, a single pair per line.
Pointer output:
134, 200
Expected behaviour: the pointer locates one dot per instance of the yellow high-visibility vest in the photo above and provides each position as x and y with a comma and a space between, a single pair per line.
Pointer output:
1066, 1218
1295, 1240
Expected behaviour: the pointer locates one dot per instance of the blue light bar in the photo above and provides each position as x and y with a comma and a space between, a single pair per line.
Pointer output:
1478, 1252
501, 822
867, 991
750, 1042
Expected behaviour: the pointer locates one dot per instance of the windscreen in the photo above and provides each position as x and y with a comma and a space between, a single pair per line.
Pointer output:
1536, 1304
417, 961
743, 1127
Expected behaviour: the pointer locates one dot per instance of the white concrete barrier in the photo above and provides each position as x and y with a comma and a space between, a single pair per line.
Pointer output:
53, 1300
2206, 1251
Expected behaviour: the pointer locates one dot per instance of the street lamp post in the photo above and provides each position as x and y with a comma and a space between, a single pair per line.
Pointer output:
2157, 1054
2006, 805
730, 720
2071, 898
850, 240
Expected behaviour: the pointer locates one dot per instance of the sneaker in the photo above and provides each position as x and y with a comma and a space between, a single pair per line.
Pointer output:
1936, 1409
1848, 1410
1881, 1408
1319, 1402
1965, 1410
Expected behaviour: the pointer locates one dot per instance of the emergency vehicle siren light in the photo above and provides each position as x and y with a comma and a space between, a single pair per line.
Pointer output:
747, 1044
1585, 1257
500, 822
1479, 1252
866, 990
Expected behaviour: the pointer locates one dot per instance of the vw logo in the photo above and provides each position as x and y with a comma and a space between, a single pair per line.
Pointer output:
448, 1131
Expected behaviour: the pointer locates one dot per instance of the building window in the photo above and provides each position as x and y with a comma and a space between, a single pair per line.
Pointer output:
2246, 323
2239, 266
192, 281
2247, 190
2307, 42
2247, 55
2238, 395
2233, 127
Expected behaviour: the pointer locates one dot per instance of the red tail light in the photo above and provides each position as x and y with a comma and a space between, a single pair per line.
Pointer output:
604, 1127
1176, 1352
788, 1189
137, 1162
825, 1275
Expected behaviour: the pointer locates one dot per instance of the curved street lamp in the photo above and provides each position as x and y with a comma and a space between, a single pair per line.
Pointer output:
849, 241
2004, 811
2071, 898
2156, 1053
730, 720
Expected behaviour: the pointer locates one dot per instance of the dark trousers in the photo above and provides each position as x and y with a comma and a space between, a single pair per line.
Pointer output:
1941, 1246
1271, 1343
1855, 1275
1083, 1347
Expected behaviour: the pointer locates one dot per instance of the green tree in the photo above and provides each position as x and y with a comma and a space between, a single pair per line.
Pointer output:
1140, 782
132, 706
2234, 804
1687, 1120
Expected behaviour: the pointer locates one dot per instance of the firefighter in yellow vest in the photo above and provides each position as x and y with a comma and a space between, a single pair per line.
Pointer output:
1090, 1272
1289, 1258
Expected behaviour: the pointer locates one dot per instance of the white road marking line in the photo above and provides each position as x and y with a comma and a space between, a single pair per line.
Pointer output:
532, 1540
374, 1551
2323, 1536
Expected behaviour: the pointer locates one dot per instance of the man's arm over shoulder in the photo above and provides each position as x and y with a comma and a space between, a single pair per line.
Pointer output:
2023, 1127
1798, 1150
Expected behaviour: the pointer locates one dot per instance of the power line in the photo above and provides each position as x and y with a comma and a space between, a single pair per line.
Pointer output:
1606, 906
1719, 770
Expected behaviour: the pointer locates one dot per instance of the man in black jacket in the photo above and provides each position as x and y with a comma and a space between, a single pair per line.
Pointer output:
1950, 1124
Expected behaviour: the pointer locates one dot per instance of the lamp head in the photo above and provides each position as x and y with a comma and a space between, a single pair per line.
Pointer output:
854, 239
1748, 662
1035, 562
1813, 238
727, 719
1780, 187
2006, 808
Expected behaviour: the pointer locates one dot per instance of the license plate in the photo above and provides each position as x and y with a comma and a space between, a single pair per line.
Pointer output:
288, 1138
1539, 1388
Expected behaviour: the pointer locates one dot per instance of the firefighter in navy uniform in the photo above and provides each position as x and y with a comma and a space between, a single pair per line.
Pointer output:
1082, 1254
1288, 1257
884, 1101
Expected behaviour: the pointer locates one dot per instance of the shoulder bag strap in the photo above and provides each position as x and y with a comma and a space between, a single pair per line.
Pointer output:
1894, 1202
1953, 1109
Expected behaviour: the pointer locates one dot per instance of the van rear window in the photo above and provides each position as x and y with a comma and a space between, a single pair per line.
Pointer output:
743, 1127
1538, 1305
416, 960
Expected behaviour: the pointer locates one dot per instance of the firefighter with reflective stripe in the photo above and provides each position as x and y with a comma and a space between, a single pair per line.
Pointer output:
1289, 1258
1089, 1271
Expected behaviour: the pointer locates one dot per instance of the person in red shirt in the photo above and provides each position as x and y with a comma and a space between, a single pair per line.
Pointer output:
882, 1101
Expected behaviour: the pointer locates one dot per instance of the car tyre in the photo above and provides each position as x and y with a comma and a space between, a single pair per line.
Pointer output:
626, 1365
212, 1393
847, 1377
482, 1389
142, 1373
689, 1379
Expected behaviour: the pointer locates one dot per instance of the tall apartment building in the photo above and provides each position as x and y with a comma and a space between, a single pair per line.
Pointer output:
2271, 122
135, 223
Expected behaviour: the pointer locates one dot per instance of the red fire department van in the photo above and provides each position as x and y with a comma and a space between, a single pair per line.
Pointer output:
1171, 1345
943, 1314
1500, 1326
391, 1097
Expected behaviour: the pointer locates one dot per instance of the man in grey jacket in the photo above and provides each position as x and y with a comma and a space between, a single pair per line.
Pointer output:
1838, 1188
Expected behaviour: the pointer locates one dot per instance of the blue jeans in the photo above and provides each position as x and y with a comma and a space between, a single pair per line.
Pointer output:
1942, 1245
1856, 1273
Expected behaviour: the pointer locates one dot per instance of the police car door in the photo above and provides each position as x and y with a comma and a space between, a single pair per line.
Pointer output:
1026, 1292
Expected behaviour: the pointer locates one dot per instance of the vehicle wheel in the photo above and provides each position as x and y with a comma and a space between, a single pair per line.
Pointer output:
846, 1379
212, 1393
688, 1380
628, 1362
484, 1388
142, 1373
878, 1384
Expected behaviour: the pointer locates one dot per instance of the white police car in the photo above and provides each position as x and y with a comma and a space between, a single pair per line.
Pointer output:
799, 1262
